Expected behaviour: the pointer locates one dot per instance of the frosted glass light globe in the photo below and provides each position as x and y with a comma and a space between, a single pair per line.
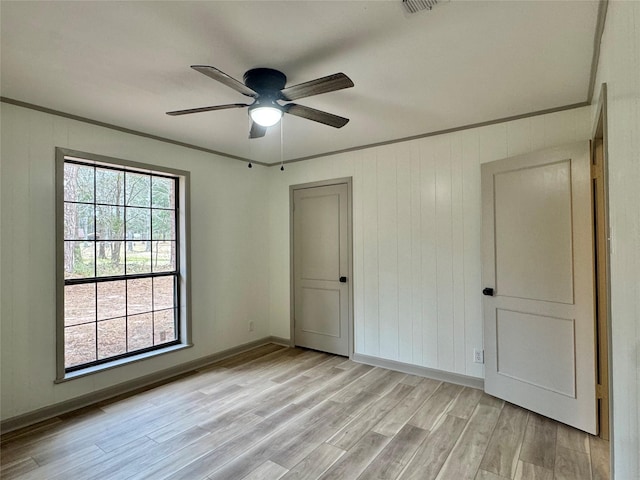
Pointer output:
266, 116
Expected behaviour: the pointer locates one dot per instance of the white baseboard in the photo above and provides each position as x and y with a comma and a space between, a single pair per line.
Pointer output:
456, 378
163, 376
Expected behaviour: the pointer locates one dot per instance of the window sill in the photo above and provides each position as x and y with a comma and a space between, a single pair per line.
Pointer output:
120, 362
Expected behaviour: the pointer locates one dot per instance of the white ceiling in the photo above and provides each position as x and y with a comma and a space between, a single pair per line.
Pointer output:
464, 62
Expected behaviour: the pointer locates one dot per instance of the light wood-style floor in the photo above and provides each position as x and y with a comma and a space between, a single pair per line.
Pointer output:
279, 413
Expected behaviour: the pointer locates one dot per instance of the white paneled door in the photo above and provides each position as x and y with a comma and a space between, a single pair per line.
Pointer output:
321, 268
538, 283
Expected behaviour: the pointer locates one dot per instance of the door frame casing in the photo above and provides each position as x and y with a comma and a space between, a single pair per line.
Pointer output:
348, 181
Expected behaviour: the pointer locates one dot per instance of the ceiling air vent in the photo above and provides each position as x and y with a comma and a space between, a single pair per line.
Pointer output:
413, 6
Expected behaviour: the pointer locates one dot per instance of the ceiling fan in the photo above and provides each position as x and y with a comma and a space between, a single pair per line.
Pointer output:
267, 87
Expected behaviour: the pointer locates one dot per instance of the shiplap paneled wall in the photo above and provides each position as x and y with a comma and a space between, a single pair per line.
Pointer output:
416, 234
229, 270
619, 67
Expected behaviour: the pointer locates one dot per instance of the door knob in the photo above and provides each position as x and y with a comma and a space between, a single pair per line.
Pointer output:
488, 292
343, 279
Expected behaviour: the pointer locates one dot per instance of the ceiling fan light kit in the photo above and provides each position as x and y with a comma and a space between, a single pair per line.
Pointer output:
267, 86
265, 115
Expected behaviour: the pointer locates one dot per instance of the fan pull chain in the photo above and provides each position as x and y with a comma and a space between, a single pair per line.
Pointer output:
282, 144
250, 149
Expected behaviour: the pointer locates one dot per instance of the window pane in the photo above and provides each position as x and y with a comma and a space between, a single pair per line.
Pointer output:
109, 222
164, 256
163, 222
78, 221
78, 183
163, 293
79, 259
110, 259
163, 192
164, 326
79, 303
109, 186
79, 344
138, 257
138, 189
138, 224
112, 299
139, 296
112, 337
140, 331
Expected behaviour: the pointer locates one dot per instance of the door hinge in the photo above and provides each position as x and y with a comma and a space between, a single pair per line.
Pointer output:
596, 170
600, 392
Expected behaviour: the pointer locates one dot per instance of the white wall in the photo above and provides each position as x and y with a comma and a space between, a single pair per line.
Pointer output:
416, 220
229, 256
619, 67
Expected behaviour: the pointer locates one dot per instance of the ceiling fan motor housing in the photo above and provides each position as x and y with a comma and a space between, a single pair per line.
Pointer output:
265, 81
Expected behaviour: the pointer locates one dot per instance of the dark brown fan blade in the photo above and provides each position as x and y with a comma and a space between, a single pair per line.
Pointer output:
207, 109
257, 131
316, 115
334, 82
222, 77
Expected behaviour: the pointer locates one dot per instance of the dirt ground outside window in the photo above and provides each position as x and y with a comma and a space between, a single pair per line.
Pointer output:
150, 321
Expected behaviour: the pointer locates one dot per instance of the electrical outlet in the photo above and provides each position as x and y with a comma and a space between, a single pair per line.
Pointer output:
251, 326
478, 356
